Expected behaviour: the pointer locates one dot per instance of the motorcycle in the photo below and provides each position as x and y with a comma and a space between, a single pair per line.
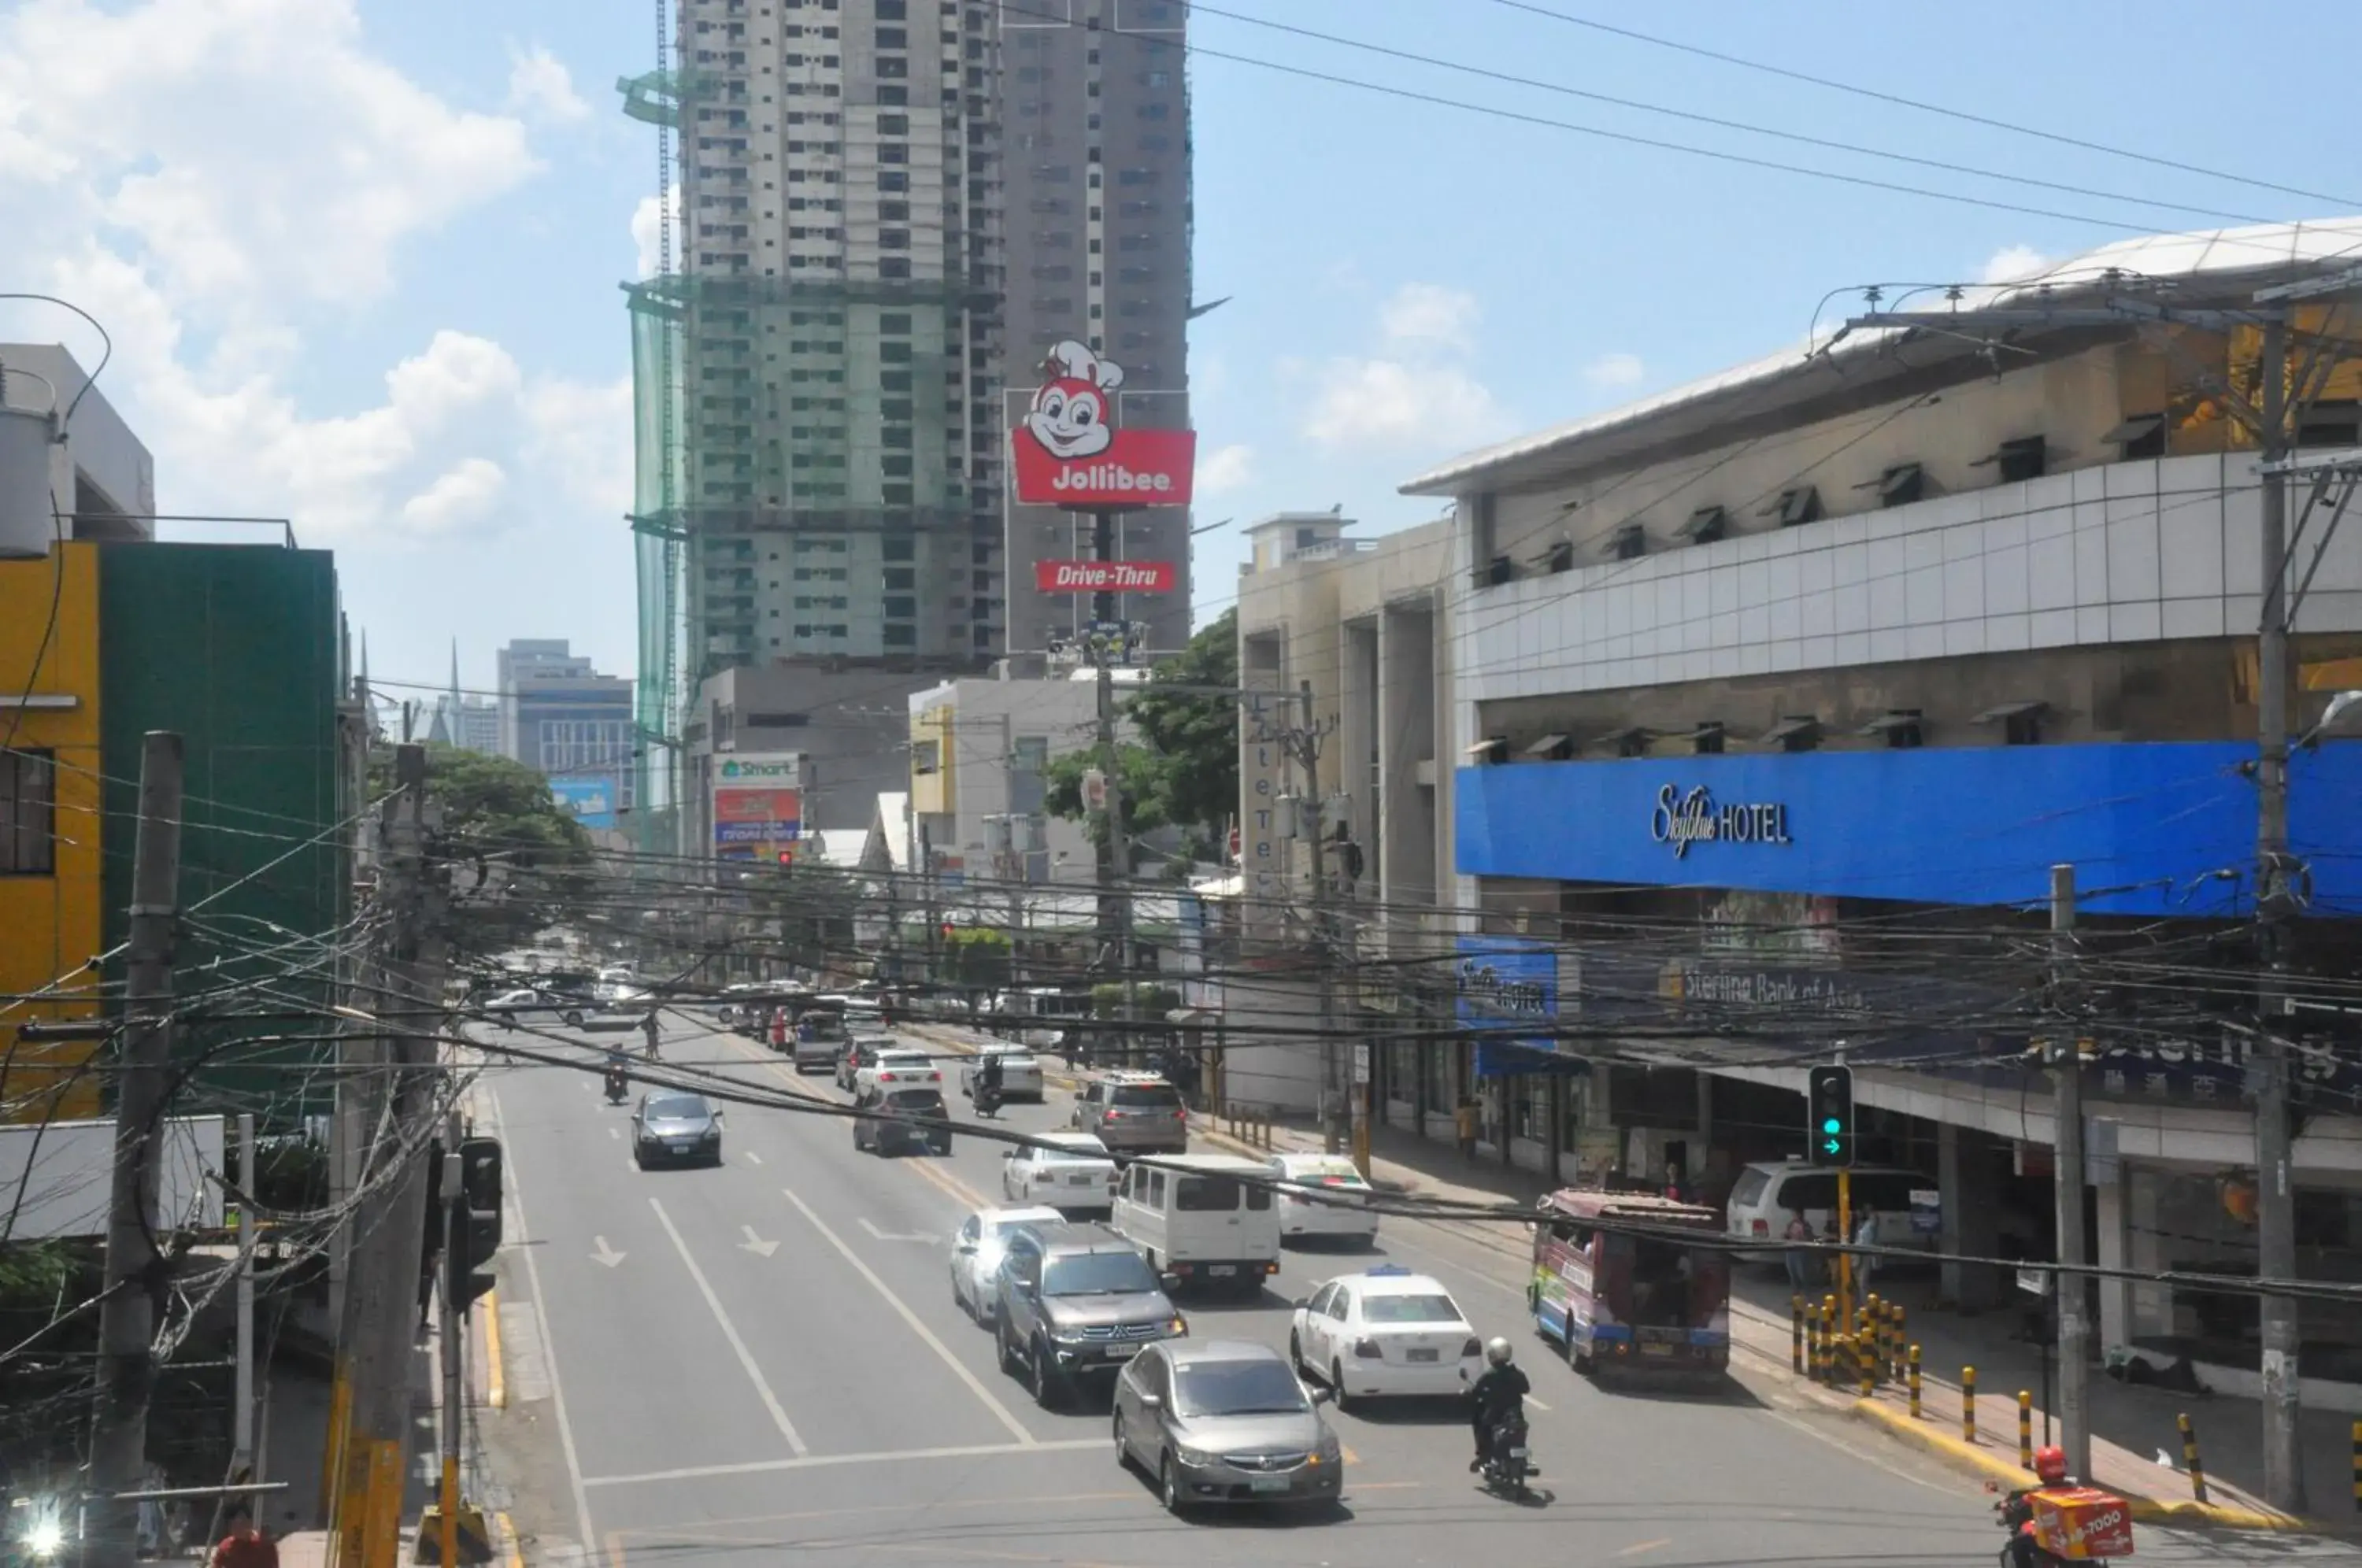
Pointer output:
987, 1099
617, 1086
2076, 1524
1506, 1465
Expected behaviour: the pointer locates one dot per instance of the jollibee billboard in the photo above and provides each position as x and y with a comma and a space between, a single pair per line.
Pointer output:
1066, 453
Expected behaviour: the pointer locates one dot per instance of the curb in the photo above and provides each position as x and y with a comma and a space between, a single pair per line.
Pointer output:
512, 1550
496, 1377
1991, 1467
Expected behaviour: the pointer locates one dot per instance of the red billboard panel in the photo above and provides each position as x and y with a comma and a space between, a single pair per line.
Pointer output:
759, 805
1104, 577
1067, 452
1136, 468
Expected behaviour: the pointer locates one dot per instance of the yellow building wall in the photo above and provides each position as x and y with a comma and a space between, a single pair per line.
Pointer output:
934, 792
49, 925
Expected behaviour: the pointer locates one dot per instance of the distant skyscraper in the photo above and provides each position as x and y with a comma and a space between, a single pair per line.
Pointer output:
890, 211
558, 715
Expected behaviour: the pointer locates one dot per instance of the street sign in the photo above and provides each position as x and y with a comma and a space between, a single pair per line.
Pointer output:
1104, 577
1828, 1122
1361, 1064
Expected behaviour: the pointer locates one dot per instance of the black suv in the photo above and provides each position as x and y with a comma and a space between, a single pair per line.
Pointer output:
897, 1125
1074, 1303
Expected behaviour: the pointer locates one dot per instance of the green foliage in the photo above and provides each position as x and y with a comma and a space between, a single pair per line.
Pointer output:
535, 855
976, 958
34, 1273
1148, 1001
1184, 771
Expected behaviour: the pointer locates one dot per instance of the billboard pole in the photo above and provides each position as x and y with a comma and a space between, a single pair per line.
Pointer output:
1114, 858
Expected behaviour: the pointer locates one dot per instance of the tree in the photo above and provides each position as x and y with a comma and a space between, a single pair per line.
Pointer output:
1183, 770
977, 960
500, 820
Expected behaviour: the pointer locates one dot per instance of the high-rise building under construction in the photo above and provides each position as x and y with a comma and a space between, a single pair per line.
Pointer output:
888, 210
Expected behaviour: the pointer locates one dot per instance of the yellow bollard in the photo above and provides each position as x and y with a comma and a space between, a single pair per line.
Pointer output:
1899, 1340
1865, 1365
1831, 1326
1819, 1350
2189, 1456
1967, 1404
1913, 1374
2025, 1429
1796, 1335
2358, 1464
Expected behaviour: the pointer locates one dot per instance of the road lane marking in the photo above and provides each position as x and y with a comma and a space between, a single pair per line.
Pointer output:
945, 1181
515, 1199
890, 1235
753, 1158
754, 1243
708, 1530
730, 1332
614, 1133
831, 1461
1638, 1547
959, 1368
607, 1254
1537, 1404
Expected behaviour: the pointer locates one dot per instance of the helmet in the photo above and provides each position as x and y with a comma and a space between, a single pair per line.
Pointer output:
2051, 1463
1497, 1352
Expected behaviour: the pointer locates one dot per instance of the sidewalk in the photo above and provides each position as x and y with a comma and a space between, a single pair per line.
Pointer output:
2132, 1426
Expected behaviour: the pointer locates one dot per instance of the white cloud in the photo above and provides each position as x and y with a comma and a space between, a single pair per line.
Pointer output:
1225, 469
2012, 263
222, 182
1430, 313
1372, 403
467, 493
644, 236
1611, 371
245, 150
541, 89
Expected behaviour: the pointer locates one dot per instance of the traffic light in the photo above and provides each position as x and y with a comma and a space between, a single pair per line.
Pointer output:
787, 860
475, 1229
1828, 1101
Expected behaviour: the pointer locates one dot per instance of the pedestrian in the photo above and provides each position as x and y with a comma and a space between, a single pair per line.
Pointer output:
1865, 1234
1803, 1264
1465, 1124
244, 1546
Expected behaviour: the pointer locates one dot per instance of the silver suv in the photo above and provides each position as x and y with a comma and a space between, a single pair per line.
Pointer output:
1074, 1303
1134, 1113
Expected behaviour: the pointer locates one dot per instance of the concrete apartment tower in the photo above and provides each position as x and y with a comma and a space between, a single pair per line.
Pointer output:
889, 211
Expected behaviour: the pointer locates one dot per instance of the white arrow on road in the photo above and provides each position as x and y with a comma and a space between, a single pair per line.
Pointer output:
605, 1254
755, 1244
892, 1235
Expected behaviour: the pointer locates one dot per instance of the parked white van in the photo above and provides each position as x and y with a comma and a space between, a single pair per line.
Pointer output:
1208, 1218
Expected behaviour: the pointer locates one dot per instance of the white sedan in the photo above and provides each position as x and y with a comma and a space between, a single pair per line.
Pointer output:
897, 1069
1069, 1171
1020, 1072
1322, 1195
1388, 1331
976, 1255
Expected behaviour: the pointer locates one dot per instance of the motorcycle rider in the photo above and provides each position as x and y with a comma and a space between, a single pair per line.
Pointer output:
2016, 1513
1501, 1391
618, 1071
987, 1082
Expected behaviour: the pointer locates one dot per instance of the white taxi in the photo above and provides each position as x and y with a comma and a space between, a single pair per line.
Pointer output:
1072, 1170
1322, 1197
975, 1255
897, 1069
1384, 1332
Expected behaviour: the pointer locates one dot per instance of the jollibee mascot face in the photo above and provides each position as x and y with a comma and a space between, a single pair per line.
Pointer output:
1070, 416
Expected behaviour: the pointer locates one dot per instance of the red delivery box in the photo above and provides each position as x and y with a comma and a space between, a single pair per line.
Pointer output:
2079, 1523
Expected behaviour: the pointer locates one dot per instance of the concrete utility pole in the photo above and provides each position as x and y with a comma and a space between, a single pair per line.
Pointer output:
454, 1338
2275, 1198
127, 1316
2068, 1290
378, 1335
1115, 846
1335, 1124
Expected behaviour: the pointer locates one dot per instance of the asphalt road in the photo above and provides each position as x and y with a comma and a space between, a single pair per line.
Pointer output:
708, 1365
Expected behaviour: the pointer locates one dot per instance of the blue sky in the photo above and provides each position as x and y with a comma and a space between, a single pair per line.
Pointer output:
362, 256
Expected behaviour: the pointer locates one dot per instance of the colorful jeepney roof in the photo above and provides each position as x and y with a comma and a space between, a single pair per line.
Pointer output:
1591, 1202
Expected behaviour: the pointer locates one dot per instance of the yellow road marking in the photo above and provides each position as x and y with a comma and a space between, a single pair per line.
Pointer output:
515, 1555
496, 1377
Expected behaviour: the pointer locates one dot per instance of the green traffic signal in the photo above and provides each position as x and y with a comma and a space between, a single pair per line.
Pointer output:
1832, 1125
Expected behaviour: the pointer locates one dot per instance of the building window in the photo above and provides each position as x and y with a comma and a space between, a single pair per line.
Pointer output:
27, 813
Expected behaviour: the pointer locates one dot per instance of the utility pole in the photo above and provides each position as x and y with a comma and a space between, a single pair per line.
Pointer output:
126, 1319
1334, 1124
242, 1418
2068, 1290
453, 1197
1115, 849
2275, 1200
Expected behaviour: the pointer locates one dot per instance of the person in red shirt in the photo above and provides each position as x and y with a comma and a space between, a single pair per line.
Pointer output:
245, 1546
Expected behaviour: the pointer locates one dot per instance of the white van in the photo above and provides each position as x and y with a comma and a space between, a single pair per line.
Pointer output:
1768, 1190
1207, 1218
